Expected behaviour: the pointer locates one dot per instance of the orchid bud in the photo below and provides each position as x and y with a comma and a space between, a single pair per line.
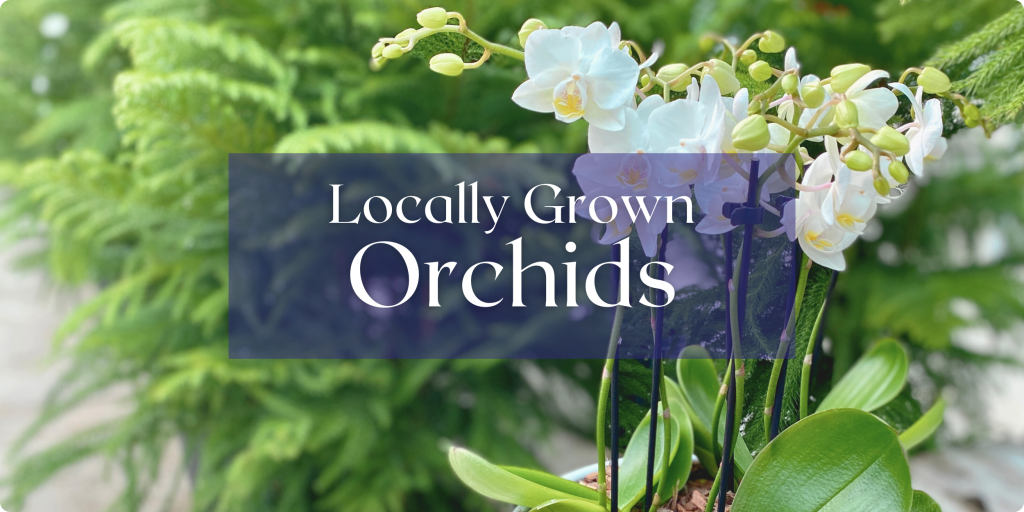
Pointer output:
760, 71
846, 115
813, 94
889, 139
530, 26
377, 50
748, 57
434, 17
882, 186
790, 83
844, 76
644, 80
751, 134
392, 51
706, 43
899, 172
933, 81
447, 64
971, 115
724, 75
859, 161
670, 72
405, 33
771, 42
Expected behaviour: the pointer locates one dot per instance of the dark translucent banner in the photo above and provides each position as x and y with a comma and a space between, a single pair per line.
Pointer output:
498, 256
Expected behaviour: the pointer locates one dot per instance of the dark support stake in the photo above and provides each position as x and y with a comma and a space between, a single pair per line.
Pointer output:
747, 215
730, 402
780, 388
615, 432
659, 324
614, 397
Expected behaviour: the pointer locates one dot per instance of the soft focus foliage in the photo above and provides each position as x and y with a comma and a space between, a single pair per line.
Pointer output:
115, 138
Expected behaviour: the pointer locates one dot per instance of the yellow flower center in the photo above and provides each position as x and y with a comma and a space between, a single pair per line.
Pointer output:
633, 177
570, 102
816, 240
686, 175
848, 221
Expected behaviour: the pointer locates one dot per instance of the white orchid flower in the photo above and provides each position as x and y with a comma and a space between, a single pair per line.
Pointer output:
735, 111
616, 176
788, 220
578, 73
821, 242
633, 137
874, 106
925, 132
850, 202
712, 197
693, 126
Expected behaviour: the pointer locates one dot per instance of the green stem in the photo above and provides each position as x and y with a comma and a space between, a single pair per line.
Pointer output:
719, 405
493, 47
737, 356
713, 495
805, 374
787, 337
602, 406
665, 488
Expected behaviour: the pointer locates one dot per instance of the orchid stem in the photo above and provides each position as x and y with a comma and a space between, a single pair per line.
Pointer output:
602, 405
787, 337
805, 374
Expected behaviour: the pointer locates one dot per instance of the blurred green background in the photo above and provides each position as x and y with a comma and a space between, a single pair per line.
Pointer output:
117, 120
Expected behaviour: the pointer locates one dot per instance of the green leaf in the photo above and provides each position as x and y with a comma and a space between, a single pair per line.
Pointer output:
699, 383
568, 506
499, 484
842, 459
875, 380
553, 482
924, 503
682, 462
633, 471
925, 426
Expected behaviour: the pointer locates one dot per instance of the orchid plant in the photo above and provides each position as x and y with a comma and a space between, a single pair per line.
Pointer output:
839, 458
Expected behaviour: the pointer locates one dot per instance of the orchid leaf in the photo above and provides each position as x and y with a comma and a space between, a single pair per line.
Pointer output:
875, 380
699, 383
682, 462
701, 436
633, 471
924, 503
568, 506
499, 484
554, 482
841, 459
925, 426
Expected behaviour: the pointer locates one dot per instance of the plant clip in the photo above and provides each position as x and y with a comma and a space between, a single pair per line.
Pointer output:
740, 214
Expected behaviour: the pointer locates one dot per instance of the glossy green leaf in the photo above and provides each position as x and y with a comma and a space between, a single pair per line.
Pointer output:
701, 435
568, 506
839, 460
876, 379
499, 484
924, 503
925, 426
633, 471
699, 383
554, 482
682, 462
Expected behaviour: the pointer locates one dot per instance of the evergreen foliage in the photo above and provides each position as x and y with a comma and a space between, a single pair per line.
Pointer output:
989, 65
